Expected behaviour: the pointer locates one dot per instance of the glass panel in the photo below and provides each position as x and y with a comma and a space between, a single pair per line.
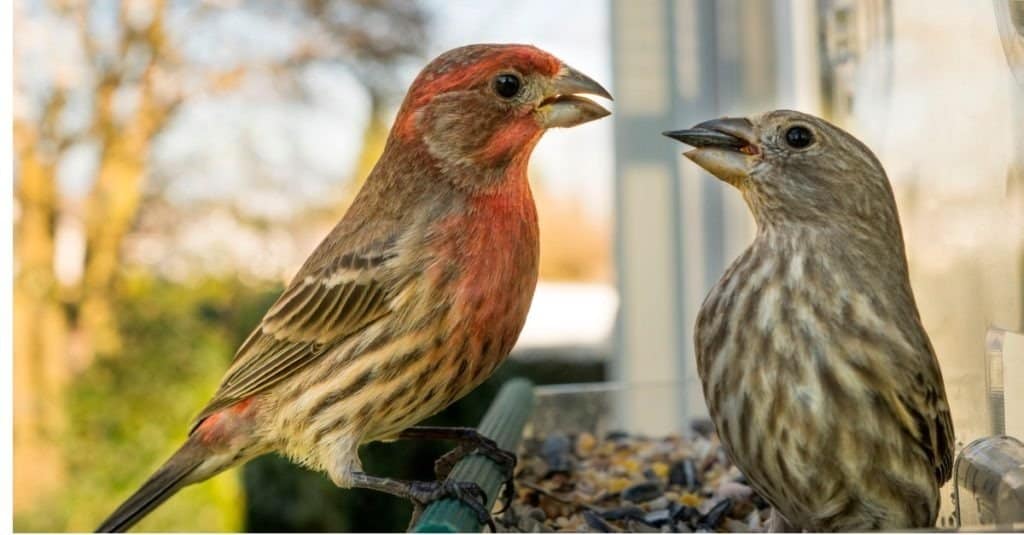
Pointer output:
947, 121
599, 408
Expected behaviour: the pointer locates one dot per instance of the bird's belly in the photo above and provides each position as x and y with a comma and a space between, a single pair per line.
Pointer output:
824, 468
784, 464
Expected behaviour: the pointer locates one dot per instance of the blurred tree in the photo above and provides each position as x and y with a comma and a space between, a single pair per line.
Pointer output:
372, 43
39, 367
105, 79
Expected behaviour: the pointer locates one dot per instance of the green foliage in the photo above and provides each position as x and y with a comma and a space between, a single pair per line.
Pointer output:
128, 412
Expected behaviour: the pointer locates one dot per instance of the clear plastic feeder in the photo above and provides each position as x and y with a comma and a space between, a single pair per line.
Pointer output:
988, 475
988, 480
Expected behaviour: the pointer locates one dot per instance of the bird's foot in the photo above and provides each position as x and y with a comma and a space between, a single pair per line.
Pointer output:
423, 493
471, 442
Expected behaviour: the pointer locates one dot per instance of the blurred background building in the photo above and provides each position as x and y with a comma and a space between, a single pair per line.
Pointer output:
175, 161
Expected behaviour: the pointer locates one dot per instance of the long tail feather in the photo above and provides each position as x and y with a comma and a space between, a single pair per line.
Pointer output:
171, 477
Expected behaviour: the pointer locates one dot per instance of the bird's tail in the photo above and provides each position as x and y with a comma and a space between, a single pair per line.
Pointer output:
167, 480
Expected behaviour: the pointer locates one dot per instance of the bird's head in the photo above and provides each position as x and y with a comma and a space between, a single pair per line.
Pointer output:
791, 166
487, 105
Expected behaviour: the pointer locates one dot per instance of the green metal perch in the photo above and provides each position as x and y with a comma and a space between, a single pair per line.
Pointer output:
504, 424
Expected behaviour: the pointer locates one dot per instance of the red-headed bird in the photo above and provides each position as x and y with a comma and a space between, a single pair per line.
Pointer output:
412, 300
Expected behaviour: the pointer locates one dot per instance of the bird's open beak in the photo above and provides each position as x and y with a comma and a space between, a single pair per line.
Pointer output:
563, 107
724, 147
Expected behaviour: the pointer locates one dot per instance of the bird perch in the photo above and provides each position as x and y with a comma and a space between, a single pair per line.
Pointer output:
504, 424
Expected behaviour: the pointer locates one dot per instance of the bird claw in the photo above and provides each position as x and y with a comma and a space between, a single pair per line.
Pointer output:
505, 460
423, 493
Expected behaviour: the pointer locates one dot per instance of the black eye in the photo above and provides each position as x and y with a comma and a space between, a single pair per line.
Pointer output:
507, 85
799, 137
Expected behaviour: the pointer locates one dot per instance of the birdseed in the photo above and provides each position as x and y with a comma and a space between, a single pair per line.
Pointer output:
631, 483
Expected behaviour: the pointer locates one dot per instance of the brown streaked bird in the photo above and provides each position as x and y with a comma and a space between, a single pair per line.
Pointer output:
817, 371
412, 300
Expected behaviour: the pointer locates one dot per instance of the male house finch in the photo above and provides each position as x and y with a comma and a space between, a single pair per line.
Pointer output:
412, 300
819, 377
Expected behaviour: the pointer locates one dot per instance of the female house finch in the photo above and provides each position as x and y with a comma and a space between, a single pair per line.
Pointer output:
412, 300
816, 369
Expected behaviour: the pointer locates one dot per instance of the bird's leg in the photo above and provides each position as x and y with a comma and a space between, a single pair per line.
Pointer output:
470, 442
423, 493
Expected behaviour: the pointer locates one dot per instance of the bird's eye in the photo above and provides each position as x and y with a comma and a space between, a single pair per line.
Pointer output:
507, 85
799, 137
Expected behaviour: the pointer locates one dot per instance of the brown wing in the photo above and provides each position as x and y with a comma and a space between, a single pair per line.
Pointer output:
923, 398
932, 426
946, 443
314, 314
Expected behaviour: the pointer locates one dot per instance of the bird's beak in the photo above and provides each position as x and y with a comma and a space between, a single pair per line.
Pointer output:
563, 107
724, 147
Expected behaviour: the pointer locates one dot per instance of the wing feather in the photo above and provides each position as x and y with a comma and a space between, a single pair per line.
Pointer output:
923, 399
286, 356
314, 314
934, 430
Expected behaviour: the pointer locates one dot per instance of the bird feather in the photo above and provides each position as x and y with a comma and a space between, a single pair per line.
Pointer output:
296, 333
